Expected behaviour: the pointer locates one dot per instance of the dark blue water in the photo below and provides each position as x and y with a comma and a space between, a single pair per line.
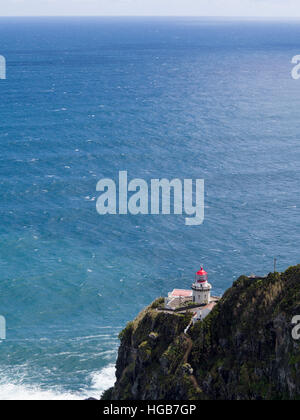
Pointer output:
160, 98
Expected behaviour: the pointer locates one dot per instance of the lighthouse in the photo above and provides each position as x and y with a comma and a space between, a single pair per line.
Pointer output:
201, 288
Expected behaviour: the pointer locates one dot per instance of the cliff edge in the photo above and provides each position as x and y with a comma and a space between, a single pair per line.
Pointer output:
243, 350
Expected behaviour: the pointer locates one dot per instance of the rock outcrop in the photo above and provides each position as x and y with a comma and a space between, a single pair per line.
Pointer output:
243, 350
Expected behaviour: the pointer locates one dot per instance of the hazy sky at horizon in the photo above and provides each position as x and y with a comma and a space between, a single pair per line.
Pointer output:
259, 8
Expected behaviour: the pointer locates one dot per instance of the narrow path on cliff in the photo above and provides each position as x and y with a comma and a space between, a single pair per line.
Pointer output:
188, 350
186, 359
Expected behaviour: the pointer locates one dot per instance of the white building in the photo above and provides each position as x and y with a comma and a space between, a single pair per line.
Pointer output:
197, 300
201, 288
202, 313
177, 298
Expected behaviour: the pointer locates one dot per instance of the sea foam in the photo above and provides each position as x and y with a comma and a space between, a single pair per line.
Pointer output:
17, 390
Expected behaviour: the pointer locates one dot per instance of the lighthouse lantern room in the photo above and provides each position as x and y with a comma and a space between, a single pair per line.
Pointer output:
201, 288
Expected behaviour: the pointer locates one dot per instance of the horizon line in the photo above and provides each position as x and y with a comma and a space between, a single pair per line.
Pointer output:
159, 16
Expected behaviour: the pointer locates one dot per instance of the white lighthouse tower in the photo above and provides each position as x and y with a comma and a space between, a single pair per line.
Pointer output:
201, 288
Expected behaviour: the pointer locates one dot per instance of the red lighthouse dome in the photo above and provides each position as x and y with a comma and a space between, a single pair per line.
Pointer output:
201, 276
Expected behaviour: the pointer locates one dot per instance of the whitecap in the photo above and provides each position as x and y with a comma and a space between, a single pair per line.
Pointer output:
99, 382
14, 391
103, 380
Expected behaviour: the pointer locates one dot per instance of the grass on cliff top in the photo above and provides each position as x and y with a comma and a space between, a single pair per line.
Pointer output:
150, 313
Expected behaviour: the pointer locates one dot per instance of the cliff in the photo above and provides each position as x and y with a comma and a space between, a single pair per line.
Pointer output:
243, 350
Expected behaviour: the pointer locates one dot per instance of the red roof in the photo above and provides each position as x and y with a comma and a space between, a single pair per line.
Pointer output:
201, 272
181, 293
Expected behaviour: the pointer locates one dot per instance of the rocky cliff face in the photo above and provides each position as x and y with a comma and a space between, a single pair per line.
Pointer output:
243, 350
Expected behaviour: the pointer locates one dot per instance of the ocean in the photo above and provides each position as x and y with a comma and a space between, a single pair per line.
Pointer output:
169, 98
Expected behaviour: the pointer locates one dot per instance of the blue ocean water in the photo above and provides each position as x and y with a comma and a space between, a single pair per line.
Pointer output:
160, 98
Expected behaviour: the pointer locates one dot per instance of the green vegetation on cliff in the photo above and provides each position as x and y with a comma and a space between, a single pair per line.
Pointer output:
243, 350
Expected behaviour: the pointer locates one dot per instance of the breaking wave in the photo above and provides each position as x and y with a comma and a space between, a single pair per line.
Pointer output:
16, 390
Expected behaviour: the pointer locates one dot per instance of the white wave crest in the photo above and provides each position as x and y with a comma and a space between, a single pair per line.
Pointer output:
100, 381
